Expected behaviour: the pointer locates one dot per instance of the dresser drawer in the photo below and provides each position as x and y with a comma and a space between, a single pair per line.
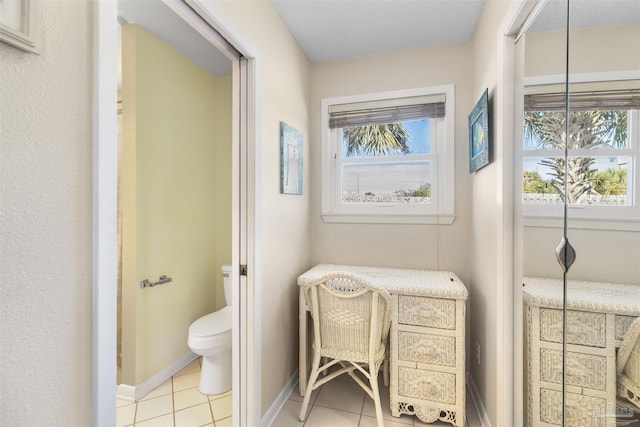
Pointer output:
427, 348
427, 385
583, 370
583, 328
430, 312
581, 411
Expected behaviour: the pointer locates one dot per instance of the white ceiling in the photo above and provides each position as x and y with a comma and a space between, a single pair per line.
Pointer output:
329, 30
586, 13
165, 24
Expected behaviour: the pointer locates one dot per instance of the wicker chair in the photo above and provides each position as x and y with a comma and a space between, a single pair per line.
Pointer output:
350, 324
628, 364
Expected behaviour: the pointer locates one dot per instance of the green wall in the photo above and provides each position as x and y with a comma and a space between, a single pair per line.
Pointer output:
176, 199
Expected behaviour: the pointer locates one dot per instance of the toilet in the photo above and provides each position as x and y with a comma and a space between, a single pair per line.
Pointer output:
210, 337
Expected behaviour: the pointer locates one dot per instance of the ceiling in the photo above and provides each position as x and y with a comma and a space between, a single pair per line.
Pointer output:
330, 30
327, 30
158, 19
586, 13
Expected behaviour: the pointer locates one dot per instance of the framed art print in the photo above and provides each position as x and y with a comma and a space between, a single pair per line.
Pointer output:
290, 160
479, 138
17, 23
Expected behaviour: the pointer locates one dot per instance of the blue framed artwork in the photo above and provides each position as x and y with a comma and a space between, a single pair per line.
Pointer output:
479, 138
290, 160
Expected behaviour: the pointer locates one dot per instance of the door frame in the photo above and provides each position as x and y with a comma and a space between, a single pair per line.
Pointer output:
245, 194
513, 344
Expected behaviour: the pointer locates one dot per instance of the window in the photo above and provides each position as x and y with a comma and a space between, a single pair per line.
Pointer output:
603, 152
388, 157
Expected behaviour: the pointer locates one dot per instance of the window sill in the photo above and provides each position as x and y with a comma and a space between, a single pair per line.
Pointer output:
583, 223
389, 219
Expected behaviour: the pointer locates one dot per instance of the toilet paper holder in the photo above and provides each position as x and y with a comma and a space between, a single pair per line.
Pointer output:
146, 283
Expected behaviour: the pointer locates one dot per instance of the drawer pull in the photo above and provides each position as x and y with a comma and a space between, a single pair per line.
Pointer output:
573, 332
427, 315
573, 365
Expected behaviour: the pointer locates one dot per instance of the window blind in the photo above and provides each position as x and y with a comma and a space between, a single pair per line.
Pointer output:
628, 99
386, 111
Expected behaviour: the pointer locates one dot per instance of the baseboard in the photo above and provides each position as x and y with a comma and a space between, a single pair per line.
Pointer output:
277, 405
477, 402
273, 411
126, 392
135, 393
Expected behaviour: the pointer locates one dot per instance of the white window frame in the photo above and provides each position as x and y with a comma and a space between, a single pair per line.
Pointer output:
441, 208
588, 216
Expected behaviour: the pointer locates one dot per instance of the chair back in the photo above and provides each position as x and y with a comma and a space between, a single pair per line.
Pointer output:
629, 353
351, 317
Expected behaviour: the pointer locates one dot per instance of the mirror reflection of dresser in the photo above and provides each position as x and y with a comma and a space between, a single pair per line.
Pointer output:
598, 316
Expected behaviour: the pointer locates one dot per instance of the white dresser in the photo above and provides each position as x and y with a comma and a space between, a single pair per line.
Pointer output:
598, 315
427, 339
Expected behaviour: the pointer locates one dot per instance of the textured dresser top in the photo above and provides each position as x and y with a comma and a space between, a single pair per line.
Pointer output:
588, 296
440, 284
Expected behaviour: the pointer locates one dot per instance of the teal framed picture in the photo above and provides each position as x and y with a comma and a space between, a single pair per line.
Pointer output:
479, 137
291, 161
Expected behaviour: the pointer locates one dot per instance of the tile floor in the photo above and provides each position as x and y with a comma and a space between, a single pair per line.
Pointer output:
339, 403
342, 403
177, 403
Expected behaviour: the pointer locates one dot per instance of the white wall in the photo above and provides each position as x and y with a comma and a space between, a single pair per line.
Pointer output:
45, 222
284, 78
395, 245
486, 285
46, 212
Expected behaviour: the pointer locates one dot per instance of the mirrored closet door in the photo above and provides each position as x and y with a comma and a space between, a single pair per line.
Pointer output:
578, 218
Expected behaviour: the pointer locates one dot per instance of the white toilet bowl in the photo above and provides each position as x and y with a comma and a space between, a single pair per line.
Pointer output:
210, 337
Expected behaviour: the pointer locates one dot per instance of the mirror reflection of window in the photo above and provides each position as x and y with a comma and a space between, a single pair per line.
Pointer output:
603, 148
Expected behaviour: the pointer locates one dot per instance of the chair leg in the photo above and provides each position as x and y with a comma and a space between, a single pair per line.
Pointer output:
376, 397
312, 380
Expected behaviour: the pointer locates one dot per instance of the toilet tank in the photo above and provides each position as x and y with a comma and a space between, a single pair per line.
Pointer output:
226, 275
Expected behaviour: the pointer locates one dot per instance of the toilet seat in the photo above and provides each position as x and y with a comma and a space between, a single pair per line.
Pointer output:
211, 324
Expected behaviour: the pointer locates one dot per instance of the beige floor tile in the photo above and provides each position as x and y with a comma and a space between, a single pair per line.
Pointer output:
190, 368
328, 417
154, 407
227, 422
163, 421
366, 421
219, 396
125, 415
122, 402
341, 395
296, 396
288, 416
221, 408
186, 398
186, 381
418, 423
162, 390
194, 416
369, 408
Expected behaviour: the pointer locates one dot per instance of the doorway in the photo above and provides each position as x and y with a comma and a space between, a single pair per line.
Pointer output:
205, 22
